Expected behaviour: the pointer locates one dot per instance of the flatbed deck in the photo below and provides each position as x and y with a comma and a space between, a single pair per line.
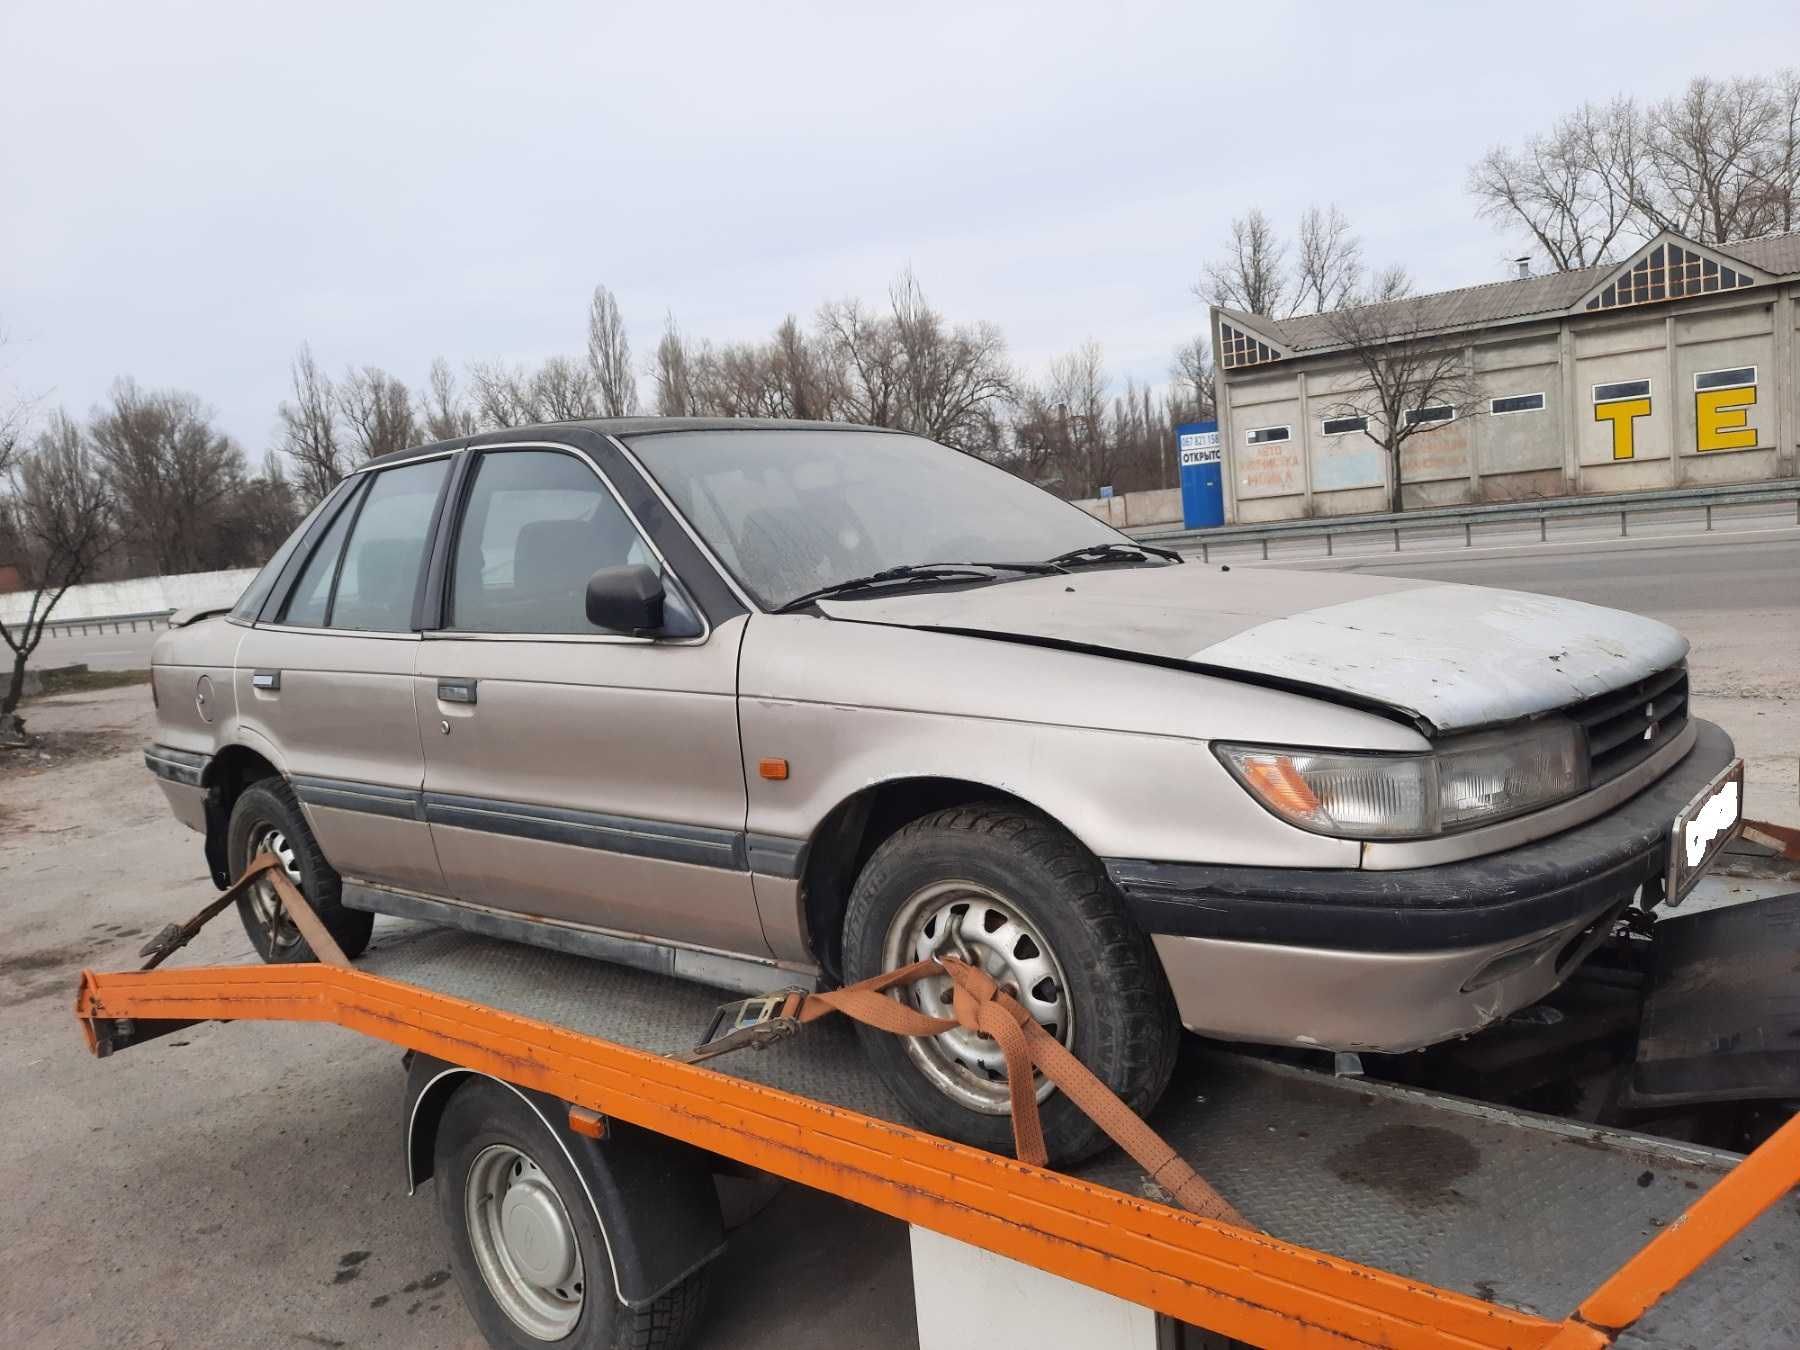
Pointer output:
1451, 1222
1506, 1206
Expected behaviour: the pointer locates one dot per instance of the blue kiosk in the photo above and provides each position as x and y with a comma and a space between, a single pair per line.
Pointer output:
1202, 474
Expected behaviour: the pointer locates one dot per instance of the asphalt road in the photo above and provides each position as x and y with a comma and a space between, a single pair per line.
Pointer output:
1654, 578
97, 651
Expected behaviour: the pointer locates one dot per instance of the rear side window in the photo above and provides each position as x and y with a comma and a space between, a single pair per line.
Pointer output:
310, 599
538, 525
250, 603
380, 572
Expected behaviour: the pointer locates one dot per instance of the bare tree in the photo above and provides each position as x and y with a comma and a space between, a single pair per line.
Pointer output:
868, 351
1194, 380
609, 356
1408, 380
310, 430
260, 513
1252, 276
443, 414
1328, 262
59, 520
1713, 154
564, 390
504, 396
1078, 389
912, 368
169, 471
15, 417
1571, 190
1717, 162
673, 372
377, 411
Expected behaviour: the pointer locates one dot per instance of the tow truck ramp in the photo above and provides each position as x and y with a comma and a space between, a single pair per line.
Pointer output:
1393, 1217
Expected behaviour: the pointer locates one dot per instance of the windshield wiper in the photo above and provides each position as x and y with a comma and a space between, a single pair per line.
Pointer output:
894, 575
1105, 553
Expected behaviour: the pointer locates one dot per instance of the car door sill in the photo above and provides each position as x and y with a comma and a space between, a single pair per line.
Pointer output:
723, 970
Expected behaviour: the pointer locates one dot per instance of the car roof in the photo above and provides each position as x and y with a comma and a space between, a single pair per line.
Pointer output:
626, 426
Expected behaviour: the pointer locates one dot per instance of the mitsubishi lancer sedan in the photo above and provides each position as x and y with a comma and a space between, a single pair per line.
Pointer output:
765, 703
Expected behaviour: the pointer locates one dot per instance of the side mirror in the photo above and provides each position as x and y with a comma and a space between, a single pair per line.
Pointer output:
626, 599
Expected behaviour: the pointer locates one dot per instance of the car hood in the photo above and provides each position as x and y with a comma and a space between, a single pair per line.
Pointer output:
1451, 656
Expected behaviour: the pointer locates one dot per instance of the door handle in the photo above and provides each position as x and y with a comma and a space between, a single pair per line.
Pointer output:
456, 691
269, 680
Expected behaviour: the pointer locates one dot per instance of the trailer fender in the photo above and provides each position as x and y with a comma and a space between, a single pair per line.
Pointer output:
653, 1196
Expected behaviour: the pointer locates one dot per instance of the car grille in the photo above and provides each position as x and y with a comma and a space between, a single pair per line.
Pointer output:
1627, 726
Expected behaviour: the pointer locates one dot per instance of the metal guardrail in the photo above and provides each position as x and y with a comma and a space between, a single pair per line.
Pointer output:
1439, 520
108, 623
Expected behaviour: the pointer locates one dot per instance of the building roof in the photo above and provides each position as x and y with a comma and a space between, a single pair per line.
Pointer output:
1554, 293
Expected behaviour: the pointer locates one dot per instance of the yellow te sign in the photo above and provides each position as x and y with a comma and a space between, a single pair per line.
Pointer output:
1622, 413
1722, 418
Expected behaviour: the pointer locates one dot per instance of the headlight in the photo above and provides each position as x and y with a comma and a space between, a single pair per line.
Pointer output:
1471, 781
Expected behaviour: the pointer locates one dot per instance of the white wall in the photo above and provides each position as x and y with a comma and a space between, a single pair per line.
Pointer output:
145, 595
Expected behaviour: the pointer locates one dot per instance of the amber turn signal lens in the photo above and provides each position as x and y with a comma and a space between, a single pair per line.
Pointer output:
775, 770
1279, 783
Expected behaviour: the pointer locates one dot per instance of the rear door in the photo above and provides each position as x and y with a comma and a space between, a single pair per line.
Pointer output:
572, 773
328, 683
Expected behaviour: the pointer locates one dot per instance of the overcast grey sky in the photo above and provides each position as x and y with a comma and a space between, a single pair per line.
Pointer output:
191, 190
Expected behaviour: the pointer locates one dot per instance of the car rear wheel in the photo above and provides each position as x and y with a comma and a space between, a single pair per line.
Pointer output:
1013, 892
266, 818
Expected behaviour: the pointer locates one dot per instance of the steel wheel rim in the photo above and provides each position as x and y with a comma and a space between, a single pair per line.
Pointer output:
264, 902
964, 1065
524, 1242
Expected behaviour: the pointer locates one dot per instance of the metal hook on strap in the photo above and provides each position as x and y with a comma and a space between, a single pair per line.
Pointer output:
979, 1004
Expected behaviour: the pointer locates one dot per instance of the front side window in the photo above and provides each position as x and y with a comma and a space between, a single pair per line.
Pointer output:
538, 524
380, 571
788, 512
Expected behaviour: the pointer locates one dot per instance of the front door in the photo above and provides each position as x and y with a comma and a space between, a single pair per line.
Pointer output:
571, 773
328, 686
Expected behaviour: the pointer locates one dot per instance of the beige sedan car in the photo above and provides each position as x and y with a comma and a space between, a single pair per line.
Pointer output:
763, 703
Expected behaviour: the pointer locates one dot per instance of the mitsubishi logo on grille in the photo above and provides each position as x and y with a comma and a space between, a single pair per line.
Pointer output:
1653, 725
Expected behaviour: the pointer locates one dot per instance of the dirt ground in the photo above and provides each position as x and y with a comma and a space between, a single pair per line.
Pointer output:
242, 1185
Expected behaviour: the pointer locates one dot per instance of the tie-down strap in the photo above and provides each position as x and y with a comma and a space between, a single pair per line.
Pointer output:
979, 1004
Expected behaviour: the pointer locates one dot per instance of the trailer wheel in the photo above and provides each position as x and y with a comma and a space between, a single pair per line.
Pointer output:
526, 1245
1017, 893
266, 818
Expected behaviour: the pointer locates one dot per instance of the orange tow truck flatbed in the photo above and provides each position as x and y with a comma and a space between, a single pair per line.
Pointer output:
1392, 1216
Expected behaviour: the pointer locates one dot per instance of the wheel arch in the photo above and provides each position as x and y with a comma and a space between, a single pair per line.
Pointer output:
851, 831
649, 1248
225, 777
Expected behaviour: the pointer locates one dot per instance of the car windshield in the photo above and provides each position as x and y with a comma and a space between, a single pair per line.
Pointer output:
789, 512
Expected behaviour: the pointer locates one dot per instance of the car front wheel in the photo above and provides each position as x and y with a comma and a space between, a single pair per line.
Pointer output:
1011, 891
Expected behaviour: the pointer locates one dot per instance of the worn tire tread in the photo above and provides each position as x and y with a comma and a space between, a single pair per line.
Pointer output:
1140, 1034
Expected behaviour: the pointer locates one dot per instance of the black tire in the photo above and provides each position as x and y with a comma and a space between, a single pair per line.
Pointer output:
1125, 1026
269, 804
482, 1114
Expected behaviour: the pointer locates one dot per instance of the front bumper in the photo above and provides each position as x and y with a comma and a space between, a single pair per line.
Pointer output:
1364, 960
